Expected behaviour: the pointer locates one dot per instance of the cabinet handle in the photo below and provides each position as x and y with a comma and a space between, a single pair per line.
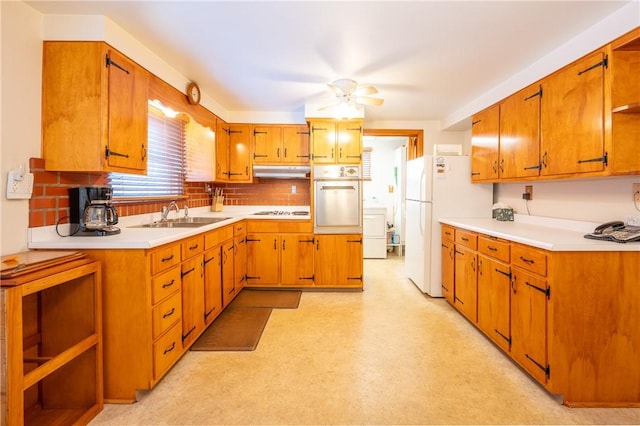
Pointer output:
188, 333
603, 63
166, 351
494, 166
491, 248
602, 160
278, 152
502, 165
529, 261
144, 153
168, 314
543, 160
169, 284
465, 239
479, 267
284, 244
507, 274
285, 153
513, 283
275, 244
473, 264
166, 259
332, 153
115, 64
193, 247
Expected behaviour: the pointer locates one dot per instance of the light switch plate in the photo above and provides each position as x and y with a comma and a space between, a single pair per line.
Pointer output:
19, 187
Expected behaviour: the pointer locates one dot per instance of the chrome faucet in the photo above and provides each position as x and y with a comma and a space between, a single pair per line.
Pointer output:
166, 209
186, 210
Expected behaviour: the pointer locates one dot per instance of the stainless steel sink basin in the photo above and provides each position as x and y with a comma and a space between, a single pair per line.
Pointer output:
183, 222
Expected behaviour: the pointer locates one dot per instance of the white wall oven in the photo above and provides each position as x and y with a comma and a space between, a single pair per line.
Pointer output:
337, 199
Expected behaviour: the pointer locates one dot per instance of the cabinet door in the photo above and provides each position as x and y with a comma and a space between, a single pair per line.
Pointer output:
572, 118
296, 259
228, 281
465, 291
349, 144
128, 113
529, 323
338, 260
485, 128
192, 300
295, 143
240, 262
239, 153
494, 310
447, 259
267, 144
520, 134
212, 284
263, 259
323, 142
222, 151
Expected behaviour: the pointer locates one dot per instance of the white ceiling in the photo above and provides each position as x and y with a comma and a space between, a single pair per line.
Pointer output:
427, 58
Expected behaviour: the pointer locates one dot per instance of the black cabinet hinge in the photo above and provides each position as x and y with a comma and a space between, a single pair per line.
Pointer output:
604, 160
109, 62
603, 63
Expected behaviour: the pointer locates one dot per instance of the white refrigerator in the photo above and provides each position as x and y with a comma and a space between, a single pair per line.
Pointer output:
437, 187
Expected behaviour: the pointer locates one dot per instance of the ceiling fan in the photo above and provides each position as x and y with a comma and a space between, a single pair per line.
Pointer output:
351, 93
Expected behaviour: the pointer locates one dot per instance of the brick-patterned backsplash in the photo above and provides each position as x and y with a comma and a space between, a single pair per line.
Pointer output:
50, 201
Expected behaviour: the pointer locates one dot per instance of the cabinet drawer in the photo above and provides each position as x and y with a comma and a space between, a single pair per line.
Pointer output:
166, 314
165, 284
165, 258
240, 229
167, 350
192, 246
278, 225
494, 247
530, 259
213, 238
448, 233
467, 239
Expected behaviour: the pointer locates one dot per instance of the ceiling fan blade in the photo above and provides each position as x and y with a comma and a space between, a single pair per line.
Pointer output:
343, 85
365, 90
369, 101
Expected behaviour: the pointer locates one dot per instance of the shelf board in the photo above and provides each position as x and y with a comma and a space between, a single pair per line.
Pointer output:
628, 108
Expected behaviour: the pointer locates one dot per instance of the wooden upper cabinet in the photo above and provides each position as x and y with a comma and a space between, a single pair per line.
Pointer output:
336, 141
267, 144
94, 109
349, 138
520, 134
295, 144
572, 117
277, 144
233, 156
484, 144
222, 151
240, 153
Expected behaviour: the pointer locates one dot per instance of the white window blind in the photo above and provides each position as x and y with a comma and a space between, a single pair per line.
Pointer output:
366, 162
165, 164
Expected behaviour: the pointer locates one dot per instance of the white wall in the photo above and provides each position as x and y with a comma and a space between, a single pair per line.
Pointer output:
376, 191
20, 82
593, 200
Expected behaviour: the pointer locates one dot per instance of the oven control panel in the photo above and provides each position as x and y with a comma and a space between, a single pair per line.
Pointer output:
335, 171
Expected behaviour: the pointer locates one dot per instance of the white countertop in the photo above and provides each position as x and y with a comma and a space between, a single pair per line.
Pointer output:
46, 237
542, 232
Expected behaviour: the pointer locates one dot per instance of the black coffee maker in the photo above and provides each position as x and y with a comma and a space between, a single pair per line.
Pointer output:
91, 211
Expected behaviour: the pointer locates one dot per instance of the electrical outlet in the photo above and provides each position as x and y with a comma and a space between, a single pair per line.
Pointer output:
294, 189
636, 192
528, 192
19, 185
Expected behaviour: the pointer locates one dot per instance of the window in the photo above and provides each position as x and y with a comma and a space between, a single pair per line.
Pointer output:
165, 162
366, 162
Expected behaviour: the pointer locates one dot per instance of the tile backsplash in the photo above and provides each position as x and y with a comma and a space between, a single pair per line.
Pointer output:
49, 203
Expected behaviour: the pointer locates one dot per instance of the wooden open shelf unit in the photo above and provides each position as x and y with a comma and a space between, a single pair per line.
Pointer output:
52, 345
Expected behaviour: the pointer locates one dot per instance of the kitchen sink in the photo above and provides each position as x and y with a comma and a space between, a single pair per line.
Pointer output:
183, 222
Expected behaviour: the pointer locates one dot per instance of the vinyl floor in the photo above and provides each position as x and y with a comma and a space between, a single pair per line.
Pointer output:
387, 355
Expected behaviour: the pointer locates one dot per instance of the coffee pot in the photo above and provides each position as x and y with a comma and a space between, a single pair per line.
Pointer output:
98, 216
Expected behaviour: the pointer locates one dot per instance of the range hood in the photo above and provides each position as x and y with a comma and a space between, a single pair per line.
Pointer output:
281, 172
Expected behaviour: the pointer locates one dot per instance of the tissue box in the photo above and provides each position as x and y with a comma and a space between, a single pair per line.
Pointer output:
503, 215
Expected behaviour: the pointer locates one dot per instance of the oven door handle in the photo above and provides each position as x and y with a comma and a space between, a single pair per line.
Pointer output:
329, 187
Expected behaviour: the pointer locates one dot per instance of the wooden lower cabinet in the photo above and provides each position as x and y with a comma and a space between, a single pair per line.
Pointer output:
447, 256
276, 259
157, 302
569, 319
338, 261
